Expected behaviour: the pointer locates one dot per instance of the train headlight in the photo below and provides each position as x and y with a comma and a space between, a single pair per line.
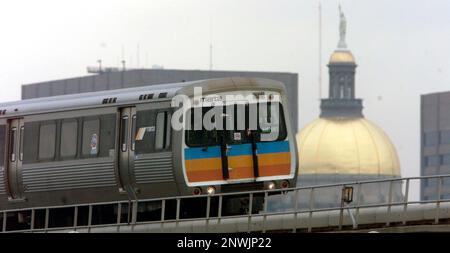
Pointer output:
211, 190
285, 184
271, 186
197, 191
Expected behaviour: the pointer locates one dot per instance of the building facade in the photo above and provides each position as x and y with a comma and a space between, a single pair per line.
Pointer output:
142, 77
435, 144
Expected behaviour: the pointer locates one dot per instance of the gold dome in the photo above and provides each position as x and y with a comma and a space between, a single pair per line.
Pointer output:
342, 56
347, 146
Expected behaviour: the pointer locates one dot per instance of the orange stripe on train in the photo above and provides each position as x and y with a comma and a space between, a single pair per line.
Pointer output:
238, 173
274, 158
240, 167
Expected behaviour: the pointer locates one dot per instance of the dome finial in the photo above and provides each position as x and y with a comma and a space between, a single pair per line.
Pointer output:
342, 29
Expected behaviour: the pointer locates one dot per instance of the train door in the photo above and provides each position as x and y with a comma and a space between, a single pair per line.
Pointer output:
255, 146
224, 153
15, 157
127, 130
238, 144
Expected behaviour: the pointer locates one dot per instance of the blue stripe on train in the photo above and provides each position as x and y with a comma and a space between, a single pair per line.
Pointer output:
240, 149
199, 153
236, 150
272, 147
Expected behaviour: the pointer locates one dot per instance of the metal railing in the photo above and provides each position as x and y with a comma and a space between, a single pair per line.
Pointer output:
297, 201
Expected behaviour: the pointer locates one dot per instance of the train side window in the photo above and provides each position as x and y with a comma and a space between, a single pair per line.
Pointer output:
107, 135
159, 135
124, 133
21, 143
162, 135
12, 146
47, 138
145, 132
168, 130
69, 130
90, 137
133, 132
2, 143
31, 142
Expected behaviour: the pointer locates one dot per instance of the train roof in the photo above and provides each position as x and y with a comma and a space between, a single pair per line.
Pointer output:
125, 96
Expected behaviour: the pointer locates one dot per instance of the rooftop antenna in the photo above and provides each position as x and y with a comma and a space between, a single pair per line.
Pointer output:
320, 51
130, 61
210, 45
137, 56
99, 61
122, 60
123, 52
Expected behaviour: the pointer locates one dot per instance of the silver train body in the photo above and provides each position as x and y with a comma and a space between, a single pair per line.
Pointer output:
119, 145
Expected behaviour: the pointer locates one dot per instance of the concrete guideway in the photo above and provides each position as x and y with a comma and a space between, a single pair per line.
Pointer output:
418, 218
299, 214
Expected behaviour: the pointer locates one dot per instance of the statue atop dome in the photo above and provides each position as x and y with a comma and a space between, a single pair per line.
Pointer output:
342, 29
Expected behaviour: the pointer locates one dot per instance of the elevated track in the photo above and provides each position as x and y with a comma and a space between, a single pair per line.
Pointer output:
407, 215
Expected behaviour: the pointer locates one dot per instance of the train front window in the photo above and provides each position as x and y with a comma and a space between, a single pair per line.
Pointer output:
271, 122
240, 123
199, 137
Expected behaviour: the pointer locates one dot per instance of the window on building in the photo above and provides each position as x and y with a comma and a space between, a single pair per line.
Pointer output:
445, 137
446, 181
47, 138
431, 182
446, 159
431, 139
69, 130
348, 91
341, 93
445, 196
336, 91
90, 144
433, 160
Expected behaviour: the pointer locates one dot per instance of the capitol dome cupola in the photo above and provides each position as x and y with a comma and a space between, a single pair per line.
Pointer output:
341, 101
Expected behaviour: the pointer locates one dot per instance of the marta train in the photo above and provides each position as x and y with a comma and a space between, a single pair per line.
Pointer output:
120, 145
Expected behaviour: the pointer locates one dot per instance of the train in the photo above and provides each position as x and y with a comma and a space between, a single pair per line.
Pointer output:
120, 144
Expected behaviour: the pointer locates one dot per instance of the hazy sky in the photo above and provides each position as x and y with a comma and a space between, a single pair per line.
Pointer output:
401, 47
